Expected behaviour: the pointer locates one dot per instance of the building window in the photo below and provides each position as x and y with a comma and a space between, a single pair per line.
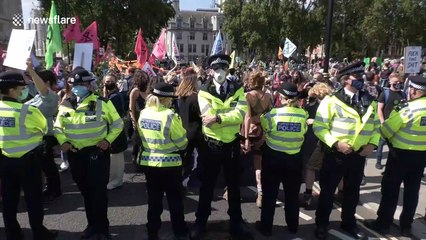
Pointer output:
190, 48
194, 48
179, 23
179, 35
192, 36
207, 50
202, 48
181, 47
205, 36
192, 23
205, 23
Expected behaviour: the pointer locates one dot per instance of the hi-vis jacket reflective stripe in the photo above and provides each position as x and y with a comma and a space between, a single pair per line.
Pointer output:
85, 128
406, 129
285, 128
162, 135
231, 112
21, 128
336, 121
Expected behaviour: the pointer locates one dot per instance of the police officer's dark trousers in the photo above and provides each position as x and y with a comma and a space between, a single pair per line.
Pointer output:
90, 170
402, 166
214, 155
159, 181
279, 167
25, 173
336, 166
53, 182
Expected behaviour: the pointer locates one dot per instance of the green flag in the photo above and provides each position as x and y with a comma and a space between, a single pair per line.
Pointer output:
53, 39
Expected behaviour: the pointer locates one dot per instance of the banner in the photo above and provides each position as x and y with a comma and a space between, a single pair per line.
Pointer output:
175, 50
83, 55
19, 48
53, 39
289, 48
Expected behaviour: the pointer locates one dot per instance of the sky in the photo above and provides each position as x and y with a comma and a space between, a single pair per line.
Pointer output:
194, 4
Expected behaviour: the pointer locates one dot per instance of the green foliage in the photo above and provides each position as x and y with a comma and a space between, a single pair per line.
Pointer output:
360, 27
118, 20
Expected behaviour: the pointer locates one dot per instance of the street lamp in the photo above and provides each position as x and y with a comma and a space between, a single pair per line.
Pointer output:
328, 36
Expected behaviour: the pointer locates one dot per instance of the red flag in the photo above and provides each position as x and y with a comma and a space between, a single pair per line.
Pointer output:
159, 49
90, 34
152, 59
140, 49
73, 31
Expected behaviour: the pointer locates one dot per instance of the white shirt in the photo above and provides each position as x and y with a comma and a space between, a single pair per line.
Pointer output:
224, 84
350, 94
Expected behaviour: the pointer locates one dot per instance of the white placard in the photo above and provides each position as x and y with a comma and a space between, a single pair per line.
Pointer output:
289, 48
83, 56
19, 49
412, 59
148, 69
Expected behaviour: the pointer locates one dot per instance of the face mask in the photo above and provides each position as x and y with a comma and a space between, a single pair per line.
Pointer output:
110, 86
80, 91
219, 76
358, 84
24, 94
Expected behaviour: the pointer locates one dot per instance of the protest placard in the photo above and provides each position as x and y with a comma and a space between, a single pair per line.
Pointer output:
19, 48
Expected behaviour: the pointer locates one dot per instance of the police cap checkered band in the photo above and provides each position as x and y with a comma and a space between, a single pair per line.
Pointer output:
417, 82
164, 94
288, 93
357, 67
12, 78
219, 61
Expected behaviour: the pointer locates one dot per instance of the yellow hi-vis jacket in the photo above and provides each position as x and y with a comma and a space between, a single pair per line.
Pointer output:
231, 112
285, 128
21, 128
406, 128
163, 136
94, 120
337, 121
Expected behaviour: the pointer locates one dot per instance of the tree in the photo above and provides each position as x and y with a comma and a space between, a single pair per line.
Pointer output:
119, 20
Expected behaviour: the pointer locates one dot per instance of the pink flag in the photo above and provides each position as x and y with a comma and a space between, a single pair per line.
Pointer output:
152, 59
73, 31
90, 34
159, 50
1, 56
56, 69
140, 49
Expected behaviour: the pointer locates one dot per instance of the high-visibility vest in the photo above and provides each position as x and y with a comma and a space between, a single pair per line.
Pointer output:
406, 128
21, 128
336, 121
163, 136
285, 128
94, 120
231, 112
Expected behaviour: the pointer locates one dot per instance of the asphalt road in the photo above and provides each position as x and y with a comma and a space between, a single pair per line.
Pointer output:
128, 208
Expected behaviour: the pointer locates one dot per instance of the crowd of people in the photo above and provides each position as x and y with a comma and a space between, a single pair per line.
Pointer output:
291, 120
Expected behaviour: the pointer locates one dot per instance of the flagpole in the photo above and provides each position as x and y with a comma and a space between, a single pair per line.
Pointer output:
68, 43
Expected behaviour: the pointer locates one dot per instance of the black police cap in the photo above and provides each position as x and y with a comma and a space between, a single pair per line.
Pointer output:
163, 89
289, 90
12, 79
354, 68
79, 75
221, 59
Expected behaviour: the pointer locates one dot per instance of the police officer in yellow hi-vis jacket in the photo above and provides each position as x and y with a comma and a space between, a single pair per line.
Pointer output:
405, 130
163, 140
21, 133
222, 106
85, 126
348, 125
282, 161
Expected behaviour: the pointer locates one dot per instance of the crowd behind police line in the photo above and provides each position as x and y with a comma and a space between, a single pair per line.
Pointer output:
219, 115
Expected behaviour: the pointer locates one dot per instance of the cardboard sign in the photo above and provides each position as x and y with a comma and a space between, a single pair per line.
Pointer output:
19, 49
412, 59
83, 56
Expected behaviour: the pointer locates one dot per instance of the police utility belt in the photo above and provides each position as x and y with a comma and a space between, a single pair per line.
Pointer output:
216, 144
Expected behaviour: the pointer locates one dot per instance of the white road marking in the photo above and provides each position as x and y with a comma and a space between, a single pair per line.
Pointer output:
304, 216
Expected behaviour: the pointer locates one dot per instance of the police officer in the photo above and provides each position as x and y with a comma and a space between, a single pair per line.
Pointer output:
405, 130
282, 161
347, 124
222, 106
21, 134
163, 138
85, 126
